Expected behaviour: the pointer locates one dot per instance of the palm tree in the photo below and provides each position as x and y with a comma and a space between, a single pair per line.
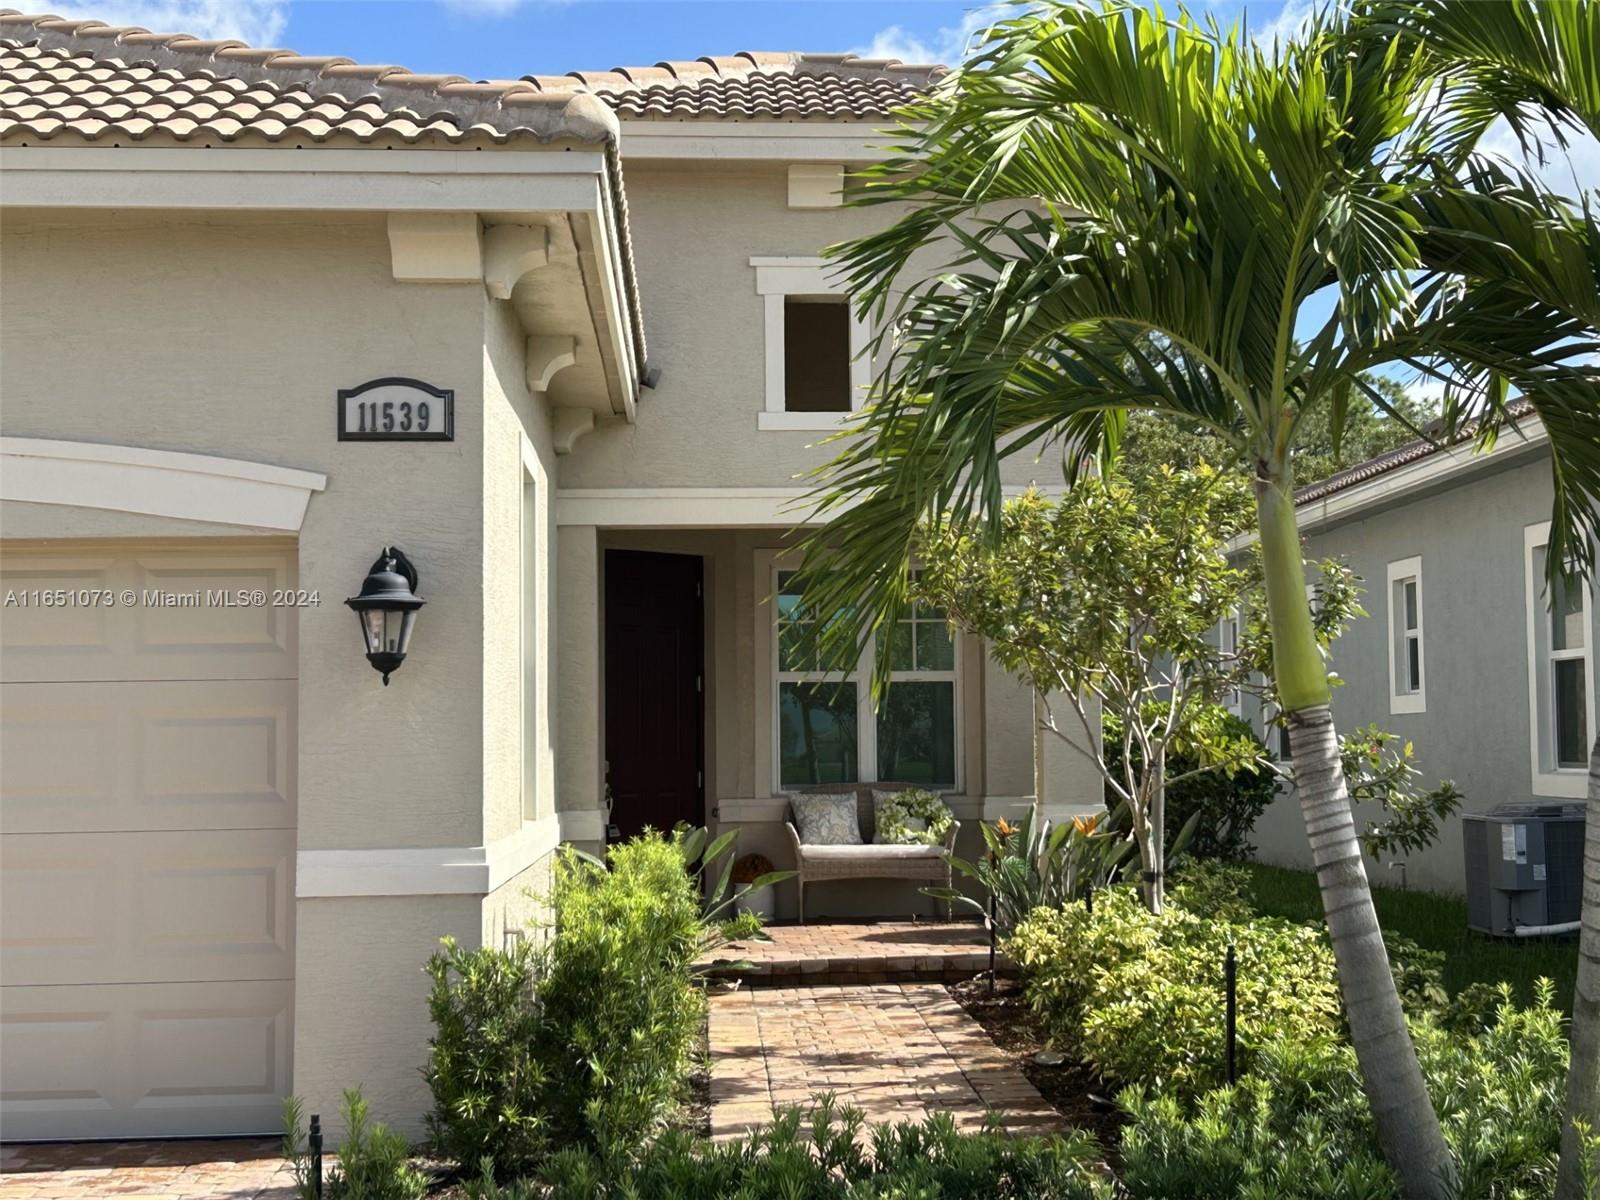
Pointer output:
1536, 67
1106, 210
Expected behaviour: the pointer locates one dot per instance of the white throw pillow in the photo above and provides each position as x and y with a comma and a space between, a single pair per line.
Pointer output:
826, 819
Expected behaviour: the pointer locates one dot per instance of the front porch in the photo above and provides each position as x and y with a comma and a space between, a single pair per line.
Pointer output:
678, 707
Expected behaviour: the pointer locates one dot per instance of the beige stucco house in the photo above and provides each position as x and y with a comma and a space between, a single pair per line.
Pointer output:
227, 845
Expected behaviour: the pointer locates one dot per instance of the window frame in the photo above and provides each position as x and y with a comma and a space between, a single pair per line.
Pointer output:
776, 279
1548, 777
866, 716
1234, 620
1399, 573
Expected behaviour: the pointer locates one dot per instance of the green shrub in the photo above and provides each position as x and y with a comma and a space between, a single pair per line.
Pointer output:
929, 1161
374, 1162
486, 1079
1229, 805
1140, 997
1298, 1126
1212, 890
618, 1011
1501, 1095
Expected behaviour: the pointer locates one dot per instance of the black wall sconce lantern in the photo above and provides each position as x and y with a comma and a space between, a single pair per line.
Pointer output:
387, 609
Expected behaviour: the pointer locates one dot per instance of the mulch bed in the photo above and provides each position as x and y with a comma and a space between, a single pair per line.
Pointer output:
1072, 1089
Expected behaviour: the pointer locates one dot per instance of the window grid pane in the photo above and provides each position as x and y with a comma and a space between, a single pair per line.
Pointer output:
916, 733
817, 733
1572, 721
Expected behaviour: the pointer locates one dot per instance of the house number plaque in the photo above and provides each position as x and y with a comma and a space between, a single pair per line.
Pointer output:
396, 410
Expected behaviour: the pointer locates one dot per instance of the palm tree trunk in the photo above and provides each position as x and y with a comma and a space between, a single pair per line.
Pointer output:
1583, 1076
1408, 1128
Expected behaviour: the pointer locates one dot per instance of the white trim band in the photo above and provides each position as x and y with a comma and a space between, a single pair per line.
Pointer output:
162, 483
440, 870
706, 508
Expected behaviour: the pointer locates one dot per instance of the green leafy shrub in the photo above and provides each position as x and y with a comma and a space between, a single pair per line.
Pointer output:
1140, 997
1213, 890
486, 1079
618, 1010
374, 1162
926, 1161
1298, 1126
1228, 802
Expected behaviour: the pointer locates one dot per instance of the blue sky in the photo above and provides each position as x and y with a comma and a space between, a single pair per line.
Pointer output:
507, 38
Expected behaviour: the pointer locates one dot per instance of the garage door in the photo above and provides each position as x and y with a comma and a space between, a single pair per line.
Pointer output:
147, 816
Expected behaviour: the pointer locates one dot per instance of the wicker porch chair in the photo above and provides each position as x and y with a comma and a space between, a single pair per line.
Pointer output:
817, 864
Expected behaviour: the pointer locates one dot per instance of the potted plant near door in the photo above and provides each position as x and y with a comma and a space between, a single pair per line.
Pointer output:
762, 901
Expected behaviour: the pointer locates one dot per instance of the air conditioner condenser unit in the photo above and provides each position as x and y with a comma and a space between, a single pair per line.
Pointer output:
1524, 869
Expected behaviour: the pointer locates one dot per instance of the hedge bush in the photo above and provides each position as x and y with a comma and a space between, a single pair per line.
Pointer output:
619, 1013
828, 1161
1140, 997
484, 1070
584, 1042
1298, 1126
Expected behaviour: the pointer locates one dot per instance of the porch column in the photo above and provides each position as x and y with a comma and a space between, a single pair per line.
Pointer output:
579, 706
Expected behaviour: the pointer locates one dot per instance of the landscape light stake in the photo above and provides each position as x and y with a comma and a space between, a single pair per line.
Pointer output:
1230, 975
990, 923
314, 1146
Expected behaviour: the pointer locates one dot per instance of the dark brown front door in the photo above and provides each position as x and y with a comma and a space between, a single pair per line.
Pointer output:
655, 714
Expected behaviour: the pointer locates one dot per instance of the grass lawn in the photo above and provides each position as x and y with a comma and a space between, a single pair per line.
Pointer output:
1437, 923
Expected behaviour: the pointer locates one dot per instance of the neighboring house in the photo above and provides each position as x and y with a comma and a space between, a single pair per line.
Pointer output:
1465, 652
228, 848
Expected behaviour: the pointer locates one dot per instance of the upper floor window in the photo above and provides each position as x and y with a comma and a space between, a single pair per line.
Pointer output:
1560, 673
826, 729
816, 369
1406, 679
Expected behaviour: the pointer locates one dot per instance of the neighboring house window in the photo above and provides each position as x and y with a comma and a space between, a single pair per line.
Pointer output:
1228, 643
1560, 673
826, 729
1406, 678
816, 367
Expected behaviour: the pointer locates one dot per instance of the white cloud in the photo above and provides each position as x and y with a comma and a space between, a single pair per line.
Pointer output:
484, 8
1292, 18
1577, 168
948, 44
259, 22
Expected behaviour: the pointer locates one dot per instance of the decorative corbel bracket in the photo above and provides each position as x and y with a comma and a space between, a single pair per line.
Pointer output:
509, 253
568, 425
547, 355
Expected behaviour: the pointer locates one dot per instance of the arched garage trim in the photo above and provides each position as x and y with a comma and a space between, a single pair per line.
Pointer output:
162, 483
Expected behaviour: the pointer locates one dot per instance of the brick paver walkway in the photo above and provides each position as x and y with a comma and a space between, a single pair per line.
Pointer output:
222, 1169
880, 952
897, 1051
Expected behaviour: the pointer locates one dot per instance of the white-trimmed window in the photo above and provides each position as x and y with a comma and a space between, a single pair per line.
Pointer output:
1407, 680
824, 728
1560, 673
1228, 644
817, 371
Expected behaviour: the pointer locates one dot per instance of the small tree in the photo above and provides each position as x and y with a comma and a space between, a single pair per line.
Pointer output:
1114, 596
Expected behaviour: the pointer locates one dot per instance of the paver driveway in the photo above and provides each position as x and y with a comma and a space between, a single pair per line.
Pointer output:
899, 1051
221, 1169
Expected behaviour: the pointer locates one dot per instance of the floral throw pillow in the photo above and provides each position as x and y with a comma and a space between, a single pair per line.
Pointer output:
826, 819
910, 818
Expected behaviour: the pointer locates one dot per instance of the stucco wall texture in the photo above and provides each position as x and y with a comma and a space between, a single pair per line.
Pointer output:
1475, 729
696, 227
